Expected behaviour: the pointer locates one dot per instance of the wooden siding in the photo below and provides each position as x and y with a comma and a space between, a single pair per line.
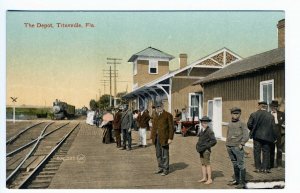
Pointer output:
180, 92
143, 77
243, 91
202, 72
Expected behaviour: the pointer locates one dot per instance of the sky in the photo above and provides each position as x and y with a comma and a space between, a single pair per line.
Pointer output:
67, 63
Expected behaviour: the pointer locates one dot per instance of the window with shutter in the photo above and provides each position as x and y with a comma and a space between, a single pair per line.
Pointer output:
153, 67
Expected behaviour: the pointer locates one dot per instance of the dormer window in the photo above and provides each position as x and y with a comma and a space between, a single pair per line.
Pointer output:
153, 67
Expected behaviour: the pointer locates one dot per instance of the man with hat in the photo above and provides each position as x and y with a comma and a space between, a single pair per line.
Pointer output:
237, 137
126, 126
117, 126
206, 140
162, 135
262, 129
279, 118
143, 119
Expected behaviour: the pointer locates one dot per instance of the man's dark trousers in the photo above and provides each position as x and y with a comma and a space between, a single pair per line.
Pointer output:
126, 137
279, 150
162, 155
264, 147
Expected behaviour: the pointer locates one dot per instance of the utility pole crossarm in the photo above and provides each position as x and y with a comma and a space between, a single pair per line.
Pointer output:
114, 62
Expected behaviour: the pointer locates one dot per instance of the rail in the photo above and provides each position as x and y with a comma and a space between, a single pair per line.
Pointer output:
21, 132
31, 142
59, 143
27, 156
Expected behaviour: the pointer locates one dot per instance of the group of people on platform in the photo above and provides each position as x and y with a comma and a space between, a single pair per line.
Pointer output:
264, 127
267, 129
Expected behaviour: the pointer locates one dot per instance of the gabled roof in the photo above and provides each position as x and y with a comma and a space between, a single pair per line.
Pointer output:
247, 65
151, 53
202, 61
190, 66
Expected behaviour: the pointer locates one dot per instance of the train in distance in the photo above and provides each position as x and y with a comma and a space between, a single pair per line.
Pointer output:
62, 110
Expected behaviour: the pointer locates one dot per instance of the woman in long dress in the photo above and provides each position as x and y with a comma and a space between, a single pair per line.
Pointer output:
107, 126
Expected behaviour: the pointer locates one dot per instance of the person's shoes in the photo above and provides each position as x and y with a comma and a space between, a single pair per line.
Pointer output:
123, 148
240, 186
233, 183
140, 145
164, 173
267, 171
144, 146
129, 149
159, 171
257, 171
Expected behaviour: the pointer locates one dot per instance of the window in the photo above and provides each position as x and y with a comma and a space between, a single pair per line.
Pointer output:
135, 67
210, 108
267, 91
194, 105
153, 67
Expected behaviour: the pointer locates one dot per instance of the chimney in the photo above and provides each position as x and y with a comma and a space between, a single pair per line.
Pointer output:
281, 33
182, 60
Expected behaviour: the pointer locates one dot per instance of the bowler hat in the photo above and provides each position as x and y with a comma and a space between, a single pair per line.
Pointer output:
235, 110
205, 118
262, 103
274, 103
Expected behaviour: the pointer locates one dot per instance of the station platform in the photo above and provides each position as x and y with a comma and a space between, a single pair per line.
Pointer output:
90, 164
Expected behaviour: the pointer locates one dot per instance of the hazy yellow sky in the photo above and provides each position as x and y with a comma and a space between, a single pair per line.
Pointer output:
67, 63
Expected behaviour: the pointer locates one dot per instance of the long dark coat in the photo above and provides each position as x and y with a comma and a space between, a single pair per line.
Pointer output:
163, 125
262, 126
143, 119
126, 120
117, 120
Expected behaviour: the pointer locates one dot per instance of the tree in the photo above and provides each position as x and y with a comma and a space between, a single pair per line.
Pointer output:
93, 105
104, 101
120, 100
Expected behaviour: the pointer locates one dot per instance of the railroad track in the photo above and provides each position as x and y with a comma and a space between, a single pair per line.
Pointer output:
37, 159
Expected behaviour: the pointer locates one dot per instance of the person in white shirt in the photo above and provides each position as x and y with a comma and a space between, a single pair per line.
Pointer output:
143, 119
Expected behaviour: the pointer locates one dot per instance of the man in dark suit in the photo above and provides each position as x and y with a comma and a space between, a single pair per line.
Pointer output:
162, 135
262, 129
117, 126
126, 126
143, 124
279, 118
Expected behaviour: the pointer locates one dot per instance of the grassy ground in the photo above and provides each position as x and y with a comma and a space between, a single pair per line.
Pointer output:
29, 111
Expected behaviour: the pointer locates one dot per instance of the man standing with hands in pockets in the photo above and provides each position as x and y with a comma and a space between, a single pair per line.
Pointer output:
162, 135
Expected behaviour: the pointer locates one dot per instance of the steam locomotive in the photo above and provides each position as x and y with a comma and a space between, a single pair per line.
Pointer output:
62, 110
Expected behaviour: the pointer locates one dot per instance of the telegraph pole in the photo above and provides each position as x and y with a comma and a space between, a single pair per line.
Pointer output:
108, 74
14, 100
103, 82
114, 62
110, 102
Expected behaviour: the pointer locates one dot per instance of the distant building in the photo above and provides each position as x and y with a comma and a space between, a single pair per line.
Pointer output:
243, 84
153, 81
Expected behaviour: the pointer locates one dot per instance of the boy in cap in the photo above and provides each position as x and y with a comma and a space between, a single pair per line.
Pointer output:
237, 136
205, 142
